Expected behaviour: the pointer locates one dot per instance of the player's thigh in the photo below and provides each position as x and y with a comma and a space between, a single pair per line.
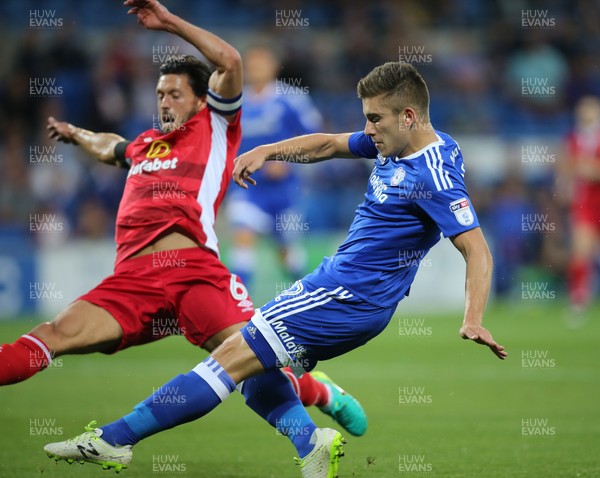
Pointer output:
584, 240
81, 328
209, 312
237, 358
217, 339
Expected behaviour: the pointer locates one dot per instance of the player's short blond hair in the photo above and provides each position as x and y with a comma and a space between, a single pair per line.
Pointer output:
401, 83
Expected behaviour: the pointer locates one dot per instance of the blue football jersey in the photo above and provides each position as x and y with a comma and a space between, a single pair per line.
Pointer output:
409, 203
275, 115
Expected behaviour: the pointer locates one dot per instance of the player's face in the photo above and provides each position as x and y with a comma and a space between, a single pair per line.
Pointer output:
587, 111
260, 67
383, 127
177, 102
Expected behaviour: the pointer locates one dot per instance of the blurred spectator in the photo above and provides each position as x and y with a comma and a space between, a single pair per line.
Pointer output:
536, 77
469, 101
16, 200
276, 107
113, 86
93, 222
512, 246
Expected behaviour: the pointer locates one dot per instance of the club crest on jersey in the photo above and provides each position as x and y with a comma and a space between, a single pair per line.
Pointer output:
398, 176
462, 211
297, 288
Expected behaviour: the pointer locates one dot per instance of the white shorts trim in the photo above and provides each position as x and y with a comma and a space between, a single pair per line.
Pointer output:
272, 339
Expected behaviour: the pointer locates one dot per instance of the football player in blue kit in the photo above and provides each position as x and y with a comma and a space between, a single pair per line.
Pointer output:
415, 194
274, 110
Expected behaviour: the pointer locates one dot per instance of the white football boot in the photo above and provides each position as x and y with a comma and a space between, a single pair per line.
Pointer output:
89, 447
323, 460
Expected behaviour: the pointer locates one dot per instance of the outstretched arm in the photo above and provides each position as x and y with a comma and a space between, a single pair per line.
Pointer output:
227, 79
99, 145
477, 255
310, 148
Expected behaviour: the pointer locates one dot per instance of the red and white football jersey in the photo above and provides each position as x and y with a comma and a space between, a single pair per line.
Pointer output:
587, 144
177, 179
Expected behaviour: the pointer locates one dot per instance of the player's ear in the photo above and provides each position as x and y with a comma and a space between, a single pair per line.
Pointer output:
410, 115
200, 102
407, 117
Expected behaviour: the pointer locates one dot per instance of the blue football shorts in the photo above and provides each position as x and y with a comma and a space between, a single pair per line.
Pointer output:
315, 319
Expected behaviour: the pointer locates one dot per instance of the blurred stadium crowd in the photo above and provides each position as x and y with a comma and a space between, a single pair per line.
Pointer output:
474, 55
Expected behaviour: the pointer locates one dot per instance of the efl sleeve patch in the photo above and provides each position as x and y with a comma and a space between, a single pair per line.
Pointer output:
462, 211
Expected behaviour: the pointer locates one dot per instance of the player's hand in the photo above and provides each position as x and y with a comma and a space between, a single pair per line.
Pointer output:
150, 13
60, 131
482, 336
245, 165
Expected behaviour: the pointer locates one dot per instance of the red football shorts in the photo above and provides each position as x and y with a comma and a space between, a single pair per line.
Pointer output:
178, 292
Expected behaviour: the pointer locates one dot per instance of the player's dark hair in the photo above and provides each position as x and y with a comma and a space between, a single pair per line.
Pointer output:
399, 82
198, 72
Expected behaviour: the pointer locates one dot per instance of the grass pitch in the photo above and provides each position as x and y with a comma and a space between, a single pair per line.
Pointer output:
438, 406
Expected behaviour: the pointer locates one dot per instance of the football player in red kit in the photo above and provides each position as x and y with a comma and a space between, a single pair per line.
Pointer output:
582, 172
167, 268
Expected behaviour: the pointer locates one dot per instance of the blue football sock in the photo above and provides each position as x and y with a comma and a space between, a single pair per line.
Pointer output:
272, 396
183, 399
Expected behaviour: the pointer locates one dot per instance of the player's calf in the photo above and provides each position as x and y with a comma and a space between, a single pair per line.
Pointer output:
81, 328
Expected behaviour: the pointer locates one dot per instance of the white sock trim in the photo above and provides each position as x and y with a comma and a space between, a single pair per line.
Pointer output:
41, 345
214, 382
329, 403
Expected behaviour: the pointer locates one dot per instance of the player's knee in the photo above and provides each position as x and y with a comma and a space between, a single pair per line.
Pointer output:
227, 347
236, 357
48, 334
57, 337
217, 339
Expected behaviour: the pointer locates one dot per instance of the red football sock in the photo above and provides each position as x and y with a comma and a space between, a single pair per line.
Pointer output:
23, 359
310, 391
579, 282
